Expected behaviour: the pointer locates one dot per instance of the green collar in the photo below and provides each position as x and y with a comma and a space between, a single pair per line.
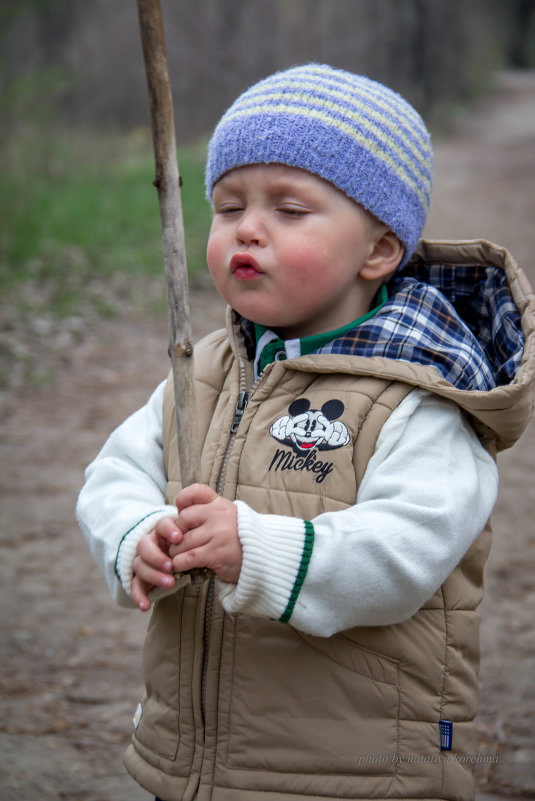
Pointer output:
270, 348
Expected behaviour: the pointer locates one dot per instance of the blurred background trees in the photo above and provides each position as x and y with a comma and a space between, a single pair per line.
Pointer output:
85, 56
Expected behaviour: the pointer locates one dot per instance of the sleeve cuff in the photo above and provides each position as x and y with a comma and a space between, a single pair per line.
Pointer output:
127, 550
276, 554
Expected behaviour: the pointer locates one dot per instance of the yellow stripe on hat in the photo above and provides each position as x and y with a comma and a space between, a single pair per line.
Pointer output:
397, 114
371, 89
370, 145
388, 138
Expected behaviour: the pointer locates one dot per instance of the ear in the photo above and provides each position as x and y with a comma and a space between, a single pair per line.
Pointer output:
332, 409
299, 406
385, 255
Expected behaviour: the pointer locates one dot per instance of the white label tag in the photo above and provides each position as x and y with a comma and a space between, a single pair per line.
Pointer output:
137, 716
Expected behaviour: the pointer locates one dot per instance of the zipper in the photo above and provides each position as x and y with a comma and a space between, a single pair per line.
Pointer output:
241, 405
244, 396
209, 605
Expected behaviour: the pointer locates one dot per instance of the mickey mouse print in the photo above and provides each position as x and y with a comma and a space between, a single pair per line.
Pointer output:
307, 431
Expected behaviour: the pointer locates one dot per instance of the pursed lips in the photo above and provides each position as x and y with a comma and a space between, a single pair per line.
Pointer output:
243, 266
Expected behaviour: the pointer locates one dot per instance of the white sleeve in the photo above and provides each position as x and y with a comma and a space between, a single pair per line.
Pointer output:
427, 493
124, 495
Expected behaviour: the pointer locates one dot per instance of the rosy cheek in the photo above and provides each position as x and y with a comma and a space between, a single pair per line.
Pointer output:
214, 254
306, 260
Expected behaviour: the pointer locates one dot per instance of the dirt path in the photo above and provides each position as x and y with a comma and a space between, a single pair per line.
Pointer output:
486, 188
71, 660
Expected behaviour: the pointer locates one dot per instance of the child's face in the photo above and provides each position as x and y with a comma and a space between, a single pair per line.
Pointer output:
286, 250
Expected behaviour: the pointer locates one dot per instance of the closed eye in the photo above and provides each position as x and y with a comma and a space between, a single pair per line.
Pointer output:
228, 208
293, 211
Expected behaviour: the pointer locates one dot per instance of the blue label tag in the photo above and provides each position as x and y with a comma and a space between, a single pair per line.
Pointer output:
446, 734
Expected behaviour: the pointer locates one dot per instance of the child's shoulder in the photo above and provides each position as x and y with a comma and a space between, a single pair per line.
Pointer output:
213, 354
214, 341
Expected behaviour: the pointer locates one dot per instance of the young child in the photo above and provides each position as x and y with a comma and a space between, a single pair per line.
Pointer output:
319, 637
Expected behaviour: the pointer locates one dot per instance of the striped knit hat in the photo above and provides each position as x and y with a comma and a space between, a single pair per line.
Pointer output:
352, 131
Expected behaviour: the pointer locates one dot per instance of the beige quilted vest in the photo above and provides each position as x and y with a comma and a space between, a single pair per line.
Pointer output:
245, 709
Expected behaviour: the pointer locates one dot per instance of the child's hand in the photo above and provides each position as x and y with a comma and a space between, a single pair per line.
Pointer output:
152, 565
208, 524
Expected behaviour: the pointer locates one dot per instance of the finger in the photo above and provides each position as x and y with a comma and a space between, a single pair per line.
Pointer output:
194, 538
151, 575
224, 557
194, 557
193, 517
139, 594
167, 529
150, 550
195, 494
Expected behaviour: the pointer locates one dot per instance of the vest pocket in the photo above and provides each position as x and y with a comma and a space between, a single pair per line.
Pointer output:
303, 704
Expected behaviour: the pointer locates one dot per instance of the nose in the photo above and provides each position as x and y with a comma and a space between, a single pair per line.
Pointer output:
251, 228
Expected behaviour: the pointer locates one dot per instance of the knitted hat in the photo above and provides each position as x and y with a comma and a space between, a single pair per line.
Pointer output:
355, 133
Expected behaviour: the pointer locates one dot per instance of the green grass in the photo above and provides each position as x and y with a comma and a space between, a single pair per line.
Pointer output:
76, 208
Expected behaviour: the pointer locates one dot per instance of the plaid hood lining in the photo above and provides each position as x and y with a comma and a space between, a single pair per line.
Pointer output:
462, 320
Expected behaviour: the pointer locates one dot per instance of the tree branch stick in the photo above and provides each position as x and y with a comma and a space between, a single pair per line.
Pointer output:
168, 183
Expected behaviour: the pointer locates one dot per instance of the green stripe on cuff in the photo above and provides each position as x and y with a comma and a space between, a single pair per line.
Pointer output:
125, 535
301, 573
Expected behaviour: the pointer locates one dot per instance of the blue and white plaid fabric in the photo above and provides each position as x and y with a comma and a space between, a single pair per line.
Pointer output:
460, 320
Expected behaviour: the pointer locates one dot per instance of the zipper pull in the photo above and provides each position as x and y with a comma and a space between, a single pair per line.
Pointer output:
241, 405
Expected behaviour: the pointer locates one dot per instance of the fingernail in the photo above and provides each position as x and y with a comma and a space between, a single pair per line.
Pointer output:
169, 581
167, 566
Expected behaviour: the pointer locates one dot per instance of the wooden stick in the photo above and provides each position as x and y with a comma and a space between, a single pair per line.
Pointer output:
168, 182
